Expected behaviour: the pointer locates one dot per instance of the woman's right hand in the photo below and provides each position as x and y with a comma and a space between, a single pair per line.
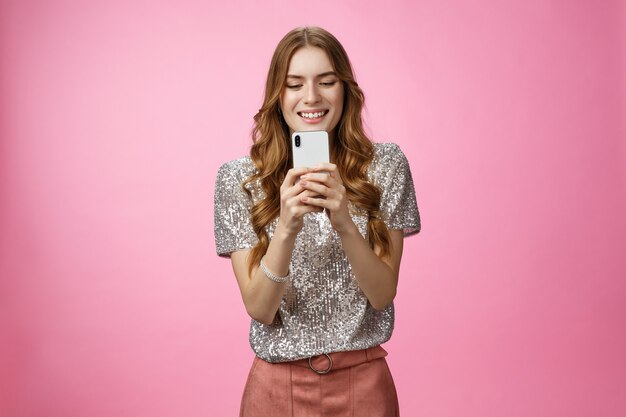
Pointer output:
292, 209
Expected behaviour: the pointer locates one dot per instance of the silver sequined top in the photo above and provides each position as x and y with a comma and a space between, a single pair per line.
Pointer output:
323, 310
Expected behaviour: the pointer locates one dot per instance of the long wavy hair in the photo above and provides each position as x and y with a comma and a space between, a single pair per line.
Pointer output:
352, 150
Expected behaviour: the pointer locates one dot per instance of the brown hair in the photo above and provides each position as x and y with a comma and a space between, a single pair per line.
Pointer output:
352, 149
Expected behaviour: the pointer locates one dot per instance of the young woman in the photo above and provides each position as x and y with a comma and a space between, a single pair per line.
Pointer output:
316, 251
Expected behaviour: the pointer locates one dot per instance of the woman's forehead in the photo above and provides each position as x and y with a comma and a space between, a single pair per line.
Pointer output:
309, 61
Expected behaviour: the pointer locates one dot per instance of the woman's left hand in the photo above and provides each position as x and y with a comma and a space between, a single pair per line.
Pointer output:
326, 181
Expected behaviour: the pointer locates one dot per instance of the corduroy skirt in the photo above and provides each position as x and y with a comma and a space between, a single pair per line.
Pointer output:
341, 384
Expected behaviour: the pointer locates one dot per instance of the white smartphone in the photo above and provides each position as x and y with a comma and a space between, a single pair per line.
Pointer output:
309, 148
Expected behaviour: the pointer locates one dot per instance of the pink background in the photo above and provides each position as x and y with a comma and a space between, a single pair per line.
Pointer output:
114, 117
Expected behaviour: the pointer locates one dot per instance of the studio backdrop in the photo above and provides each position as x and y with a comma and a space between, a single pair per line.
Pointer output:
115, 116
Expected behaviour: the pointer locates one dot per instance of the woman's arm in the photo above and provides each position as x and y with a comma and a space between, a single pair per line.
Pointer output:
377, 278
260, 295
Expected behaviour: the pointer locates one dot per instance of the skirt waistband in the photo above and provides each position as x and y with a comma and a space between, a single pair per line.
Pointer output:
326, 362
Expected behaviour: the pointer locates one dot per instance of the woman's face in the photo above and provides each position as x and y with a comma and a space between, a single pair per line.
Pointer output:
313, 95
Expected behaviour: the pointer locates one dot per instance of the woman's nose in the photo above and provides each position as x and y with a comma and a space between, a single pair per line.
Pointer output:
312, 94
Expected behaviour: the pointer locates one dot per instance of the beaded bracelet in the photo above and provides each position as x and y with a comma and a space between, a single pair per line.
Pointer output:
273, 276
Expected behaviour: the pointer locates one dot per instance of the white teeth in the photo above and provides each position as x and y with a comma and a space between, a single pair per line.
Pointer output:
312, 115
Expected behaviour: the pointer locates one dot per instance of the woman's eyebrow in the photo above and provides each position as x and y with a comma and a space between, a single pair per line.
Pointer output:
324, 74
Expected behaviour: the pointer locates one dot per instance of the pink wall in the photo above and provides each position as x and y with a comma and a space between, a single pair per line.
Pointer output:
114, 118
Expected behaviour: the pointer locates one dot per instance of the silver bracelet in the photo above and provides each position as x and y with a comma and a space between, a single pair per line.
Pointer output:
273, 276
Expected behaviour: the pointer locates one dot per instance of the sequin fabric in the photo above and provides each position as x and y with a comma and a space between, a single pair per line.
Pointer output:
323, 310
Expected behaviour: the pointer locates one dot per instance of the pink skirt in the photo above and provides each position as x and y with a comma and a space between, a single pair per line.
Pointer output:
355, 384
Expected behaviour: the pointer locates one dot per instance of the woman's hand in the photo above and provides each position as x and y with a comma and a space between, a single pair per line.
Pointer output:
326, 191
292, 207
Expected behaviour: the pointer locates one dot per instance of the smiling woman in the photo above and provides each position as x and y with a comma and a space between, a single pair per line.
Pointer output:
316, 260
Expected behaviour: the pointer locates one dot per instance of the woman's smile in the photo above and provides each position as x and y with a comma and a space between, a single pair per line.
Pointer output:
312, 116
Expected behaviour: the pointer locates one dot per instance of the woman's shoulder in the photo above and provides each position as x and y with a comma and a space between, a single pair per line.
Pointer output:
238, 169
387, 154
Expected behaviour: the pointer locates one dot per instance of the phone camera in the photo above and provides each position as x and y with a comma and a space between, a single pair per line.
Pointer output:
297, 141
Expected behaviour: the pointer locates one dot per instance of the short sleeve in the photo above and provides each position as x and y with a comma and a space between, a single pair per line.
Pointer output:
398, 203
232, 225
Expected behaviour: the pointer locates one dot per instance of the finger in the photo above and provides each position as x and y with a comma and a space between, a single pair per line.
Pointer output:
293, 174
300, 209
298, 187
319, 202
323, 178
333, 188
295, 202
316, 187
325, 166
311, 209
328, 167
292, 202
294, 190
319, 177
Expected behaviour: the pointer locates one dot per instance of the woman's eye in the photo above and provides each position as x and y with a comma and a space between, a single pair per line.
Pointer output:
329, 83
294, 86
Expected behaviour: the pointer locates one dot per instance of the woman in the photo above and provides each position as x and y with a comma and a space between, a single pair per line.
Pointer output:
316, 251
